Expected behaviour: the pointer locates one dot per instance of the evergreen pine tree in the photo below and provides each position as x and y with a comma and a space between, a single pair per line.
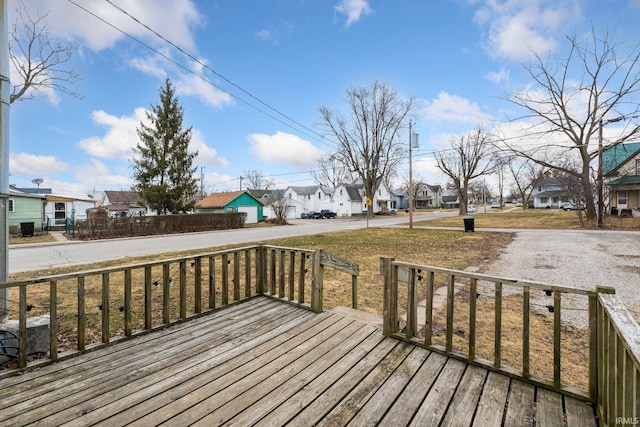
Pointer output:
163, 168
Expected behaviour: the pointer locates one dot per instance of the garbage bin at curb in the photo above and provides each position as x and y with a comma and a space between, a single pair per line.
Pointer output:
469, 223
27, 228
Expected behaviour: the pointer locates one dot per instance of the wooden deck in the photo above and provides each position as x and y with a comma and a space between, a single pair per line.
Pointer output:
268, 363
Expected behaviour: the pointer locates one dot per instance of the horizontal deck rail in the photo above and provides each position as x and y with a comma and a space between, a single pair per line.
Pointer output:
93, 308
398, 298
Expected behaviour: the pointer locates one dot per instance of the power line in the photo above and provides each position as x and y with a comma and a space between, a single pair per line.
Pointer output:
203, 78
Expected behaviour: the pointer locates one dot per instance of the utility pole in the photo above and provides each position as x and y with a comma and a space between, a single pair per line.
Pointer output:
600, 212
4, 159
410, 180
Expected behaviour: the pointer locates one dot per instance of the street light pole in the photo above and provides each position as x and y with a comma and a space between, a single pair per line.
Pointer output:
4, 160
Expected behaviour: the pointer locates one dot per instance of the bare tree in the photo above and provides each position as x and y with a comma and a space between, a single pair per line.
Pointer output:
469, 158
280, 206
526, 175
42, 61
368, 140
257, 181
331, 173
598, 82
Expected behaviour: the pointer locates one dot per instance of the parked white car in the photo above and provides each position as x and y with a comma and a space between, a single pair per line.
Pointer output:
472, 209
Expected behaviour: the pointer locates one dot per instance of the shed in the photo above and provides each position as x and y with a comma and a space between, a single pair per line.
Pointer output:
233, 202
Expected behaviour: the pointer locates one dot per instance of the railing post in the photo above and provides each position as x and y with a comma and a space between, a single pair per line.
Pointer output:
317, 282
22, 327
390, 301
354, 291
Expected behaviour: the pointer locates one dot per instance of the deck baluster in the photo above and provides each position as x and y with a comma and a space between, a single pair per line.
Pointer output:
301, 277
247, 273
292, 275
106, 328
473, 300
497, 348
428, 327
166, 289
197, 279
81, 315
53, 319
128, 329
148, 298
236, 276
212, 282
450, 294
557, 334
526, 295
225, 279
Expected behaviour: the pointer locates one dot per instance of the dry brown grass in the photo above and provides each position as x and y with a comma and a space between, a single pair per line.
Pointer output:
44, 237
532, 219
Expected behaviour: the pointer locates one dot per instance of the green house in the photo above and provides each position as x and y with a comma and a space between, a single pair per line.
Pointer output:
233, 201
25, 208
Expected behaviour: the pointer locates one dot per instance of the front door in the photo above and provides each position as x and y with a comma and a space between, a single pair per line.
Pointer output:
623, 201
59, 213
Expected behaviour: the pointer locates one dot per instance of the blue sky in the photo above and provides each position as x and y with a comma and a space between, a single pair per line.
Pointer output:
457, 58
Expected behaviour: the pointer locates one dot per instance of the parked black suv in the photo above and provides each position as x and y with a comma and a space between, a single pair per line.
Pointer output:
328, 214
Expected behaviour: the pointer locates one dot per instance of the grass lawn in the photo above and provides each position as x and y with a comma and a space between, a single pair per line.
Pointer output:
531, 219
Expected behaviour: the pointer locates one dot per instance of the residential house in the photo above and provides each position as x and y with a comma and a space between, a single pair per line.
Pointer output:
25, 208
309, 198
348, 200
124, 203
398, 199
428, 196
450, 199
233, 201
267, 197
58, 208
551, 193
621, 173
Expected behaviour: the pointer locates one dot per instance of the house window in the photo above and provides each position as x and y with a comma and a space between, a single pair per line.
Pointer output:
289, 195
308, 196
11, 206
341, 190
544, 200
379, 192
319, 195
622, 197
637, 166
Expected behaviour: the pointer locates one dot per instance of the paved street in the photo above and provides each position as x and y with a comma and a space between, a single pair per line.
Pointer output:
42, 256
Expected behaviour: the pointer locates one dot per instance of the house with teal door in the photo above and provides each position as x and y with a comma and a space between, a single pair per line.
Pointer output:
233, 202
25, 208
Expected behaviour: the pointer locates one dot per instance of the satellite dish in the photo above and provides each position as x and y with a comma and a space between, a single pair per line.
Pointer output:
37, 181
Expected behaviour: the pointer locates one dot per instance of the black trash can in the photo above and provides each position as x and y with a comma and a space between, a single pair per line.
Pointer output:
27, 228
469, 223
614, 211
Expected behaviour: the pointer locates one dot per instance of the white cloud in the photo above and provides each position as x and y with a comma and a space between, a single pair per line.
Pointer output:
453, 109
354, 9
498, 77
207, 156
516, 27
67, 19
96, 173
284, 148
31, 164
120, 138
192, 85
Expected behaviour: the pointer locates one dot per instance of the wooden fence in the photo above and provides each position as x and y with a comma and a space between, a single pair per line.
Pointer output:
613, 336
134, 299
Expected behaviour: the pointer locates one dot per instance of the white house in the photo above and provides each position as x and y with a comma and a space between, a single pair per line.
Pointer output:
550, 193
124, 203
309, 198
350, 199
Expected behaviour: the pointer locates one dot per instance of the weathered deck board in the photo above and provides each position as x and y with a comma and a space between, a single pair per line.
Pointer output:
267, 363
521, 404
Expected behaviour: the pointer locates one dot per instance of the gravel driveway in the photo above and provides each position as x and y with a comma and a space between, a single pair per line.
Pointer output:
577, 258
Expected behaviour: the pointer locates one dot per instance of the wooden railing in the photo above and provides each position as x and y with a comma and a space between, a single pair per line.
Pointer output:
618, 400
89, 309
612, 347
